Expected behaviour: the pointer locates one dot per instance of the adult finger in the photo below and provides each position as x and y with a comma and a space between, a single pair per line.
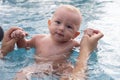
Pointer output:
12, 29
8, 46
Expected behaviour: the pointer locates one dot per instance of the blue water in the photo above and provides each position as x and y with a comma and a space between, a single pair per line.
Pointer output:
32, 15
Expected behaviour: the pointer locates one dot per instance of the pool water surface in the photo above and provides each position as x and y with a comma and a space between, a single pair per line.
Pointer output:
32, 16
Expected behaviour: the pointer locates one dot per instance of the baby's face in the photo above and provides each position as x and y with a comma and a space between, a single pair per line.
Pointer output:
64, 25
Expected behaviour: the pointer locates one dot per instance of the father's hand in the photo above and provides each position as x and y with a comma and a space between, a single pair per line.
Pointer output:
8, 42
90, 39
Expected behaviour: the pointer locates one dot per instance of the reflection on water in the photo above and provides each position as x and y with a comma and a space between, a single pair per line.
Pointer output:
32, 15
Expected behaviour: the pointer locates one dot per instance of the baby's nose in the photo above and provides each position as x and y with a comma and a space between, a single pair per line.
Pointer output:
61, 27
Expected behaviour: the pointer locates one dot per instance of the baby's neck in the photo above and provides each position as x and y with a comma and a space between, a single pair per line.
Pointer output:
58, 42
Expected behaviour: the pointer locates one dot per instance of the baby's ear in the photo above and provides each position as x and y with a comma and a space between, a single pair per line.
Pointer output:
49, 22
76, 34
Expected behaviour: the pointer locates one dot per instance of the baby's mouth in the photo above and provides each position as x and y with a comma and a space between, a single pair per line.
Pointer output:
60, 34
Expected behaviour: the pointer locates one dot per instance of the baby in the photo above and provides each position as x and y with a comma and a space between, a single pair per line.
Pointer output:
55, 48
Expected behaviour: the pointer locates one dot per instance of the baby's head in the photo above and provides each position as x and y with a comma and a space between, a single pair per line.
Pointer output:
69, 11
65, 22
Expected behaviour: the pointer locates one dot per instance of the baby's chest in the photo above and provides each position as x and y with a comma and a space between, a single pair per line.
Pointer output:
52, 51
49, 51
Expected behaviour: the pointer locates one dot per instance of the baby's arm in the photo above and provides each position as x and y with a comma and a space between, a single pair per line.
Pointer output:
20, 35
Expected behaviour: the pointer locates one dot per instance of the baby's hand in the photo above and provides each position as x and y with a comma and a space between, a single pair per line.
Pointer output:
18, 34
89, 32
90, 39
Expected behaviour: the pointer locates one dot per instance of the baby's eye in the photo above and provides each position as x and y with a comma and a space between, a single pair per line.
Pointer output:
58, 22
70, 27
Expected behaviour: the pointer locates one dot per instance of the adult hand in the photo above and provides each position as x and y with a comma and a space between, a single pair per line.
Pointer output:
8, 42
87, 45
90, 39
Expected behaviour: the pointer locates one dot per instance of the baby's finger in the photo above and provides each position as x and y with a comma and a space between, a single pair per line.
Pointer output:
26, 34
89, 32
13, 35
23, 34
17, 33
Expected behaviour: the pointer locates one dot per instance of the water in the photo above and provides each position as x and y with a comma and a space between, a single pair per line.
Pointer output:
32, 15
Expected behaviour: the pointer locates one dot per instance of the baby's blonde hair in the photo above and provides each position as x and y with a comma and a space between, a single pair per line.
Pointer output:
70, 7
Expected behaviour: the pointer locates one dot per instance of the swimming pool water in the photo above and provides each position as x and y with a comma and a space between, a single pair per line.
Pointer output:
32, 15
